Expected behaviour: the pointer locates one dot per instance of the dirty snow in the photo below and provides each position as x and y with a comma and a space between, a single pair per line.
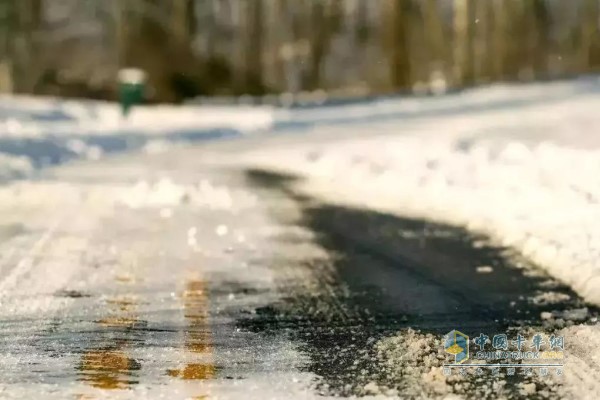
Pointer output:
415, 362
582, 364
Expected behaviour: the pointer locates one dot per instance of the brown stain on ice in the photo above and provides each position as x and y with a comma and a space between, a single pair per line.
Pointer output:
197, 335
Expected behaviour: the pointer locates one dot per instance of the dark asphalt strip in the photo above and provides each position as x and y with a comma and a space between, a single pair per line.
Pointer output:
392, 274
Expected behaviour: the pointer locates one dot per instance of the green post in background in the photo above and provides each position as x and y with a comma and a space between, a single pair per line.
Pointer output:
132, 87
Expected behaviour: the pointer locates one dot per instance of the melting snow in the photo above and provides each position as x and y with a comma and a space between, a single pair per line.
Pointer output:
523, 170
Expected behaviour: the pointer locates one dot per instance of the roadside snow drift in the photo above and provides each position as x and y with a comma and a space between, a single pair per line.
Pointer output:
528, 174
46, 131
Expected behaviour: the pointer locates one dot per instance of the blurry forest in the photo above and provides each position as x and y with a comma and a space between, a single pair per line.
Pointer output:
231, 47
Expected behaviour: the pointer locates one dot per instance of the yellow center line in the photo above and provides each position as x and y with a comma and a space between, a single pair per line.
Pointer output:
197, 334
109, 367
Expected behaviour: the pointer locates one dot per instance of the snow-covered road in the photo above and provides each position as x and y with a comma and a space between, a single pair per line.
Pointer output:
292, 261
174, 275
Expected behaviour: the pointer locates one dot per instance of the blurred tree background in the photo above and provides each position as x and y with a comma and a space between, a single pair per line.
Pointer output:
348, 47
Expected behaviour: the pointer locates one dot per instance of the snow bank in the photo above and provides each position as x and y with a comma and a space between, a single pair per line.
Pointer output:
50, 131
528, 175
32, 117
494, 97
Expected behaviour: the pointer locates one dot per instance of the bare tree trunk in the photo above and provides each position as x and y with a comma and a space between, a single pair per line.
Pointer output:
296, 46
322, 16
6, 27
363, 29
120, 33
540, 26
437, 48
253, 71
464, 49
396, 39
7, 32
498, 40
515, 33
28, 20
277, 40
363, 35
183, 25
589, 34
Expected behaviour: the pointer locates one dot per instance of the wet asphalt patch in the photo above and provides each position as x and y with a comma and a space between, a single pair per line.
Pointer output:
392, 274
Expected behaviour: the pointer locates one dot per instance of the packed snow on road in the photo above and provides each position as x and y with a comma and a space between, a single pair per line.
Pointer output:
516, 164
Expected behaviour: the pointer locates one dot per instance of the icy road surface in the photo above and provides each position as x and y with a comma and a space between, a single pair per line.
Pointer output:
167, 276
304, 264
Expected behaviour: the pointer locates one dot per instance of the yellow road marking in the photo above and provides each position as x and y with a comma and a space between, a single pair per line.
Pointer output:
109, 367
197, 335
193, 371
